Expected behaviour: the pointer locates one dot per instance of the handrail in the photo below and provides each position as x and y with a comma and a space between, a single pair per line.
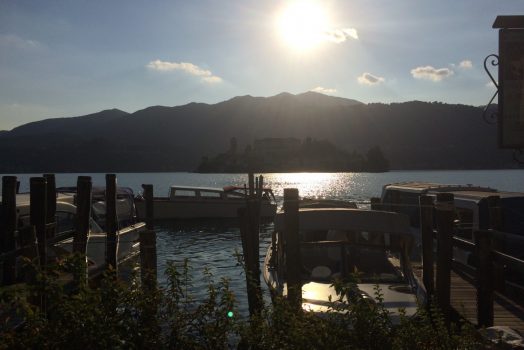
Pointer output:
509, 260
463, 244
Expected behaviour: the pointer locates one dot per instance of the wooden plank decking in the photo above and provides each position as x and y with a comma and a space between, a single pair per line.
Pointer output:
464, 302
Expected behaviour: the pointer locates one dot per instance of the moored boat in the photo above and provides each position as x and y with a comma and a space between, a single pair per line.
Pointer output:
185, 202
472, 212
371, 247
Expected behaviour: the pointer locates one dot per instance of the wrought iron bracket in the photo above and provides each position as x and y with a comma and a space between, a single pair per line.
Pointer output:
491, 118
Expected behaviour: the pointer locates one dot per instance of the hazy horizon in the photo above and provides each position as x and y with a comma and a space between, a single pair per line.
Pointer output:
77, 58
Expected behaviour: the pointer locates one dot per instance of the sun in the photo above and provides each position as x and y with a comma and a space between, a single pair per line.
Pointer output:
302, 25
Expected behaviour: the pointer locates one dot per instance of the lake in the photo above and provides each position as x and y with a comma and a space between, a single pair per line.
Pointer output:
212, 244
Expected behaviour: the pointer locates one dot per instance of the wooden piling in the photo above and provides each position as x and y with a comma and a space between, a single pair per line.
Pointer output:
484, 278
444, 218
426, 231
51, 205
148, 258
8, 227
375, 203
292, 247
29, 245
496, 223
251, 183
83, 214
38, 213
111, 223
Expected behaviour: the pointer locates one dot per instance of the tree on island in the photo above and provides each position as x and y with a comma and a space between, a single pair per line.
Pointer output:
290, 155
376, 162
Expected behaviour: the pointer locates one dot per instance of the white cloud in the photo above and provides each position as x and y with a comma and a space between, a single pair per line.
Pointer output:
323, 90
340, 35
14, 41
431, 73
490, 85
370, 79
187, 67
466, 64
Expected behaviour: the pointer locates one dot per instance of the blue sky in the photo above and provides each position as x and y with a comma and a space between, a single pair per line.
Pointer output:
75, 57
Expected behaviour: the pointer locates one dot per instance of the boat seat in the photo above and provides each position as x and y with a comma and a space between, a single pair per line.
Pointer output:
320, 272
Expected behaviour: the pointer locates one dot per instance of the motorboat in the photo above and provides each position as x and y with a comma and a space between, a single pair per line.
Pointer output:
185, 202
369, 247
471, 212
61, 242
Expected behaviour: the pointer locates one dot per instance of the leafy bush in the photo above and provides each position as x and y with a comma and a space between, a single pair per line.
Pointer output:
120, 315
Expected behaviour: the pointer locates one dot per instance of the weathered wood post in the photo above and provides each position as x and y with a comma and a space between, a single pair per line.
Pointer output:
292, 247
484, 278
426, 231
29, 245
51, 205
84, 188
497, 243
444, 217
38, 213
111, 223
375, 203
249, 218
8, 227
148, 259
251, 183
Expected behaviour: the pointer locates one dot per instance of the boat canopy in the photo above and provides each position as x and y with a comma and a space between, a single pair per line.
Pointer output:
349, 219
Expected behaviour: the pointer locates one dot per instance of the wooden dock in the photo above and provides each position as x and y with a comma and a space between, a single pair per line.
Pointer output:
463, 299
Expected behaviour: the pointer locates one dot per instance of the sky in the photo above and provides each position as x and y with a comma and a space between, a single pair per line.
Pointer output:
64, 58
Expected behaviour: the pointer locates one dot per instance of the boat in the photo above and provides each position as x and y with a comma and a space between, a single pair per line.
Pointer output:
185, 202
471, 212
61, 242
370, 246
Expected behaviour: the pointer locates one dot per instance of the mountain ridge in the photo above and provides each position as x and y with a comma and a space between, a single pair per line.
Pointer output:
412, 135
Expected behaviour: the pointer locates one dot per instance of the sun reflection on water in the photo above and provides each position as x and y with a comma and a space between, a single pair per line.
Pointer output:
346, 186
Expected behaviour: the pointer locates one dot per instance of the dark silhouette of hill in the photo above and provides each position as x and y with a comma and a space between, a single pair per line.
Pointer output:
412, 135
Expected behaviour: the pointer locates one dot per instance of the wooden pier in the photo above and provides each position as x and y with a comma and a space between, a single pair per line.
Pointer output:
463, 300
479, 292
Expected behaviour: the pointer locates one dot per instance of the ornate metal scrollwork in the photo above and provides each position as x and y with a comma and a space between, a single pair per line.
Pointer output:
491, 118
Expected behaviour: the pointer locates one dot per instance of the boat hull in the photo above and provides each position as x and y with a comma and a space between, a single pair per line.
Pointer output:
165, 209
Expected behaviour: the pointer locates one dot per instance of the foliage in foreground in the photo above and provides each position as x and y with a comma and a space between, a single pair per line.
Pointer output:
125, 315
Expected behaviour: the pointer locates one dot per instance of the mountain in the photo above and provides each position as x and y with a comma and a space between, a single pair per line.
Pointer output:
412, 135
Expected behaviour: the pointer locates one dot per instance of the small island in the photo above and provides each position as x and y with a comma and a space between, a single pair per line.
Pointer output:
293, 155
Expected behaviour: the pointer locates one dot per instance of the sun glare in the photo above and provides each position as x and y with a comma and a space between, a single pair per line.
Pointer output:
302, 24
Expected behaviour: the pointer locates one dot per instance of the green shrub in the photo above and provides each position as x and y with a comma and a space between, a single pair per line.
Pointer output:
120, 315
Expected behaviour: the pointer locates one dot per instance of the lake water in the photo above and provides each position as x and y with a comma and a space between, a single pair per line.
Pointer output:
212, 244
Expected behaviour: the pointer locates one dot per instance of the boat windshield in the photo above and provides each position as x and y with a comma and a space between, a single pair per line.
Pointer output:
326, 261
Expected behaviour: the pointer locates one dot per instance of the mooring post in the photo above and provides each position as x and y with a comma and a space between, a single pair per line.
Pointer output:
292, 247
426, 231
148, 258
252, 268
83, 214
111, 223
497, 243
51, 205
84, 188
8, 227
444, 216
251, 183
38, 213
484, 278
29, 244
375, 203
